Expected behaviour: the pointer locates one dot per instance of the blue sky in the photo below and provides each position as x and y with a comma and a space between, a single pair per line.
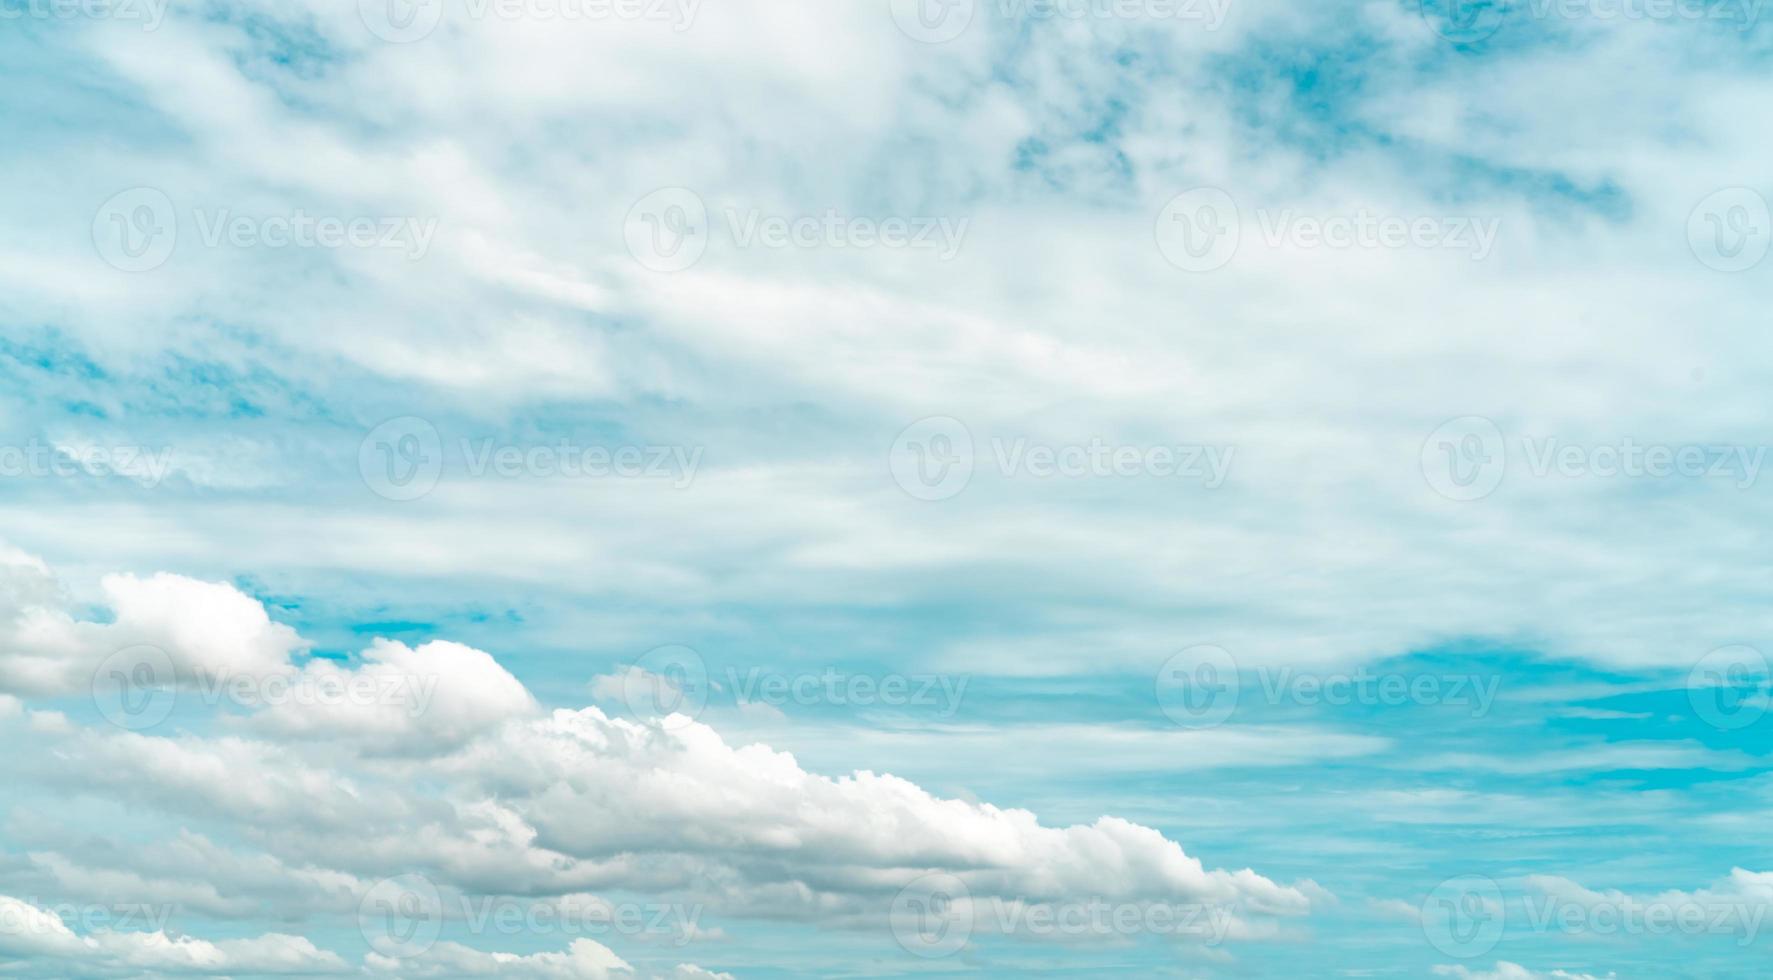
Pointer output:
1197, 488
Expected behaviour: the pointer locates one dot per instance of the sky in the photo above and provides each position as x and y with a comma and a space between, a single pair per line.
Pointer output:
674, 489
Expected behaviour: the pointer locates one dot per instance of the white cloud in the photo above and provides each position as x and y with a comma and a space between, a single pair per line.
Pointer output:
514, 306
487, 795
207, 630
35, 942
1058, 320
583, 960
1734, 905
438, 694
1510, 971
45, 946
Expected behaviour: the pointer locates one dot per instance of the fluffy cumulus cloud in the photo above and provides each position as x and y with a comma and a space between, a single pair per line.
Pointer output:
437, 694
481, 794
598, 788
36, 942
208, 631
